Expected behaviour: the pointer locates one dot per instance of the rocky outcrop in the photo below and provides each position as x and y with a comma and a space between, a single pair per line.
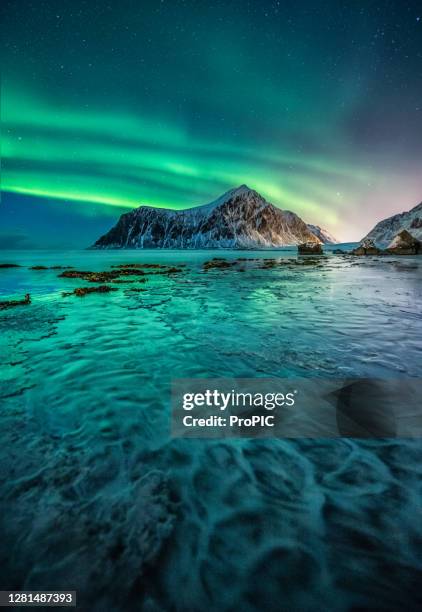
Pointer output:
367, 247
385, 231
83, 291
405, 244
309, 248
13, 303
241, 218
402, 244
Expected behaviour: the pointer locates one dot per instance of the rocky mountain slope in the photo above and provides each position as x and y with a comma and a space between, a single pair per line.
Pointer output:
321, 233
385, 231
241, 218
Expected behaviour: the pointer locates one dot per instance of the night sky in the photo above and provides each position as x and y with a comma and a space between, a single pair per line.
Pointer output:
107, 106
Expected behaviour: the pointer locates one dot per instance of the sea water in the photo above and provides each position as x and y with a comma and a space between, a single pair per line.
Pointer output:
95, 495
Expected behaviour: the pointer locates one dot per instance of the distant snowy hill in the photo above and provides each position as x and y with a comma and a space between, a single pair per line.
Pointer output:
321, 233
240, 218
385, 231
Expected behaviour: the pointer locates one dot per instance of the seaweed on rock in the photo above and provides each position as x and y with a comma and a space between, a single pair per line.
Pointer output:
12, 303
83, 291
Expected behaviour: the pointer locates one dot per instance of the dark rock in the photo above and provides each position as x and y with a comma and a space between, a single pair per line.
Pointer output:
269, 263
310, 248
99, 277
171, 270
367, 247
13, 303
133, 265
218, 263
9, 265
131, 272
75, 274
405, 244
115, 275
83, 291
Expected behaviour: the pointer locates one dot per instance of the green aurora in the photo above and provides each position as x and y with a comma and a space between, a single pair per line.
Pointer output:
101, 158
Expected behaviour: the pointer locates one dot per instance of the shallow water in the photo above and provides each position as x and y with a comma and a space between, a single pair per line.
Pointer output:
96, 497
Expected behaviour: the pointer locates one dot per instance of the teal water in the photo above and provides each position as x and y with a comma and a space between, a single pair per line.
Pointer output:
96, 497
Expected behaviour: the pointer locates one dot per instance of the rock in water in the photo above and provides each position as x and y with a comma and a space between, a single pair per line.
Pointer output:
367, 247
310, 248
241, 218
405, 244
12, 303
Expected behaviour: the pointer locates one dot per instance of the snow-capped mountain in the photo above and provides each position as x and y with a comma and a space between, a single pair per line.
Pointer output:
385, 231
240, 218
321, 233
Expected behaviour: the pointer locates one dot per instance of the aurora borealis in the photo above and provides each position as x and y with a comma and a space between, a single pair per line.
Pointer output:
106, 106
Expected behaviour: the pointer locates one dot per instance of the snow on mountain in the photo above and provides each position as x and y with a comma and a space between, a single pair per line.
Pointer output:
240, 218
323, 234
385, 231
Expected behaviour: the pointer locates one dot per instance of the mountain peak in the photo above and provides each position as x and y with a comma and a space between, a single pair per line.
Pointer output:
240, 218
231, 193
242, 188
228, 195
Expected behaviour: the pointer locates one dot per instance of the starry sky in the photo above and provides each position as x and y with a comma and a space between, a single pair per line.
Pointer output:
109, 105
